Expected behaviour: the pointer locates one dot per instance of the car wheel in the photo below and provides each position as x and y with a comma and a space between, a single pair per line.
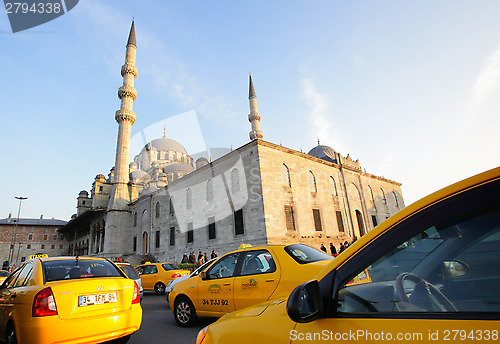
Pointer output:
184, 312
159, 288
11, 337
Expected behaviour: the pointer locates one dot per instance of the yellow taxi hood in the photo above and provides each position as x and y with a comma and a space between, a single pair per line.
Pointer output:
412, 209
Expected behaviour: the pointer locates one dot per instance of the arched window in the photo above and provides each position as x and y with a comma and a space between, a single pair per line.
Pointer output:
210, 190
189, 198
159, 156
285, 175
312, 182
235, 180
157, 210
396, 199
135, 219
171, 206
371, 194
383, 196
333, 186
144, 243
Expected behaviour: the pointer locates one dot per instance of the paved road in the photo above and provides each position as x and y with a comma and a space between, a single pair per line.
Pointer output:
159, 326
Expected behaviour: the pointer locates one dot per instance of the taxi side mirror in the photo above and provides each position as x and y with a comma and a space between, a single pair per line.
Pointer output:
304, 303
203, 275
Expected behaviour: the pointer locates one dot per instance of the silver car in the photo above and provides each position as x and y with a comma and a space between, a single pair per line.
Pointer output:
132, 274
171, 284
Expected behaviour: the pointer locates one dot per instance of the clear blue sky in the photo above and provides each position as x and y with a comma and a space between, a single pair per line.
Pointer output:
410, 88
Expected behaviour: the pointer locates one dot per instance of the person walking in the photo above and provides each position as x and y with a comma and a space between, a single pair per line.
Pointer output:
333, 250
323, 248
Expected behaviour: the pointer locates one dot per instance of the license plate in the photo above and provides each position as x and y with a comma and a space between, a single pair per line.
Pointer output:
96, 299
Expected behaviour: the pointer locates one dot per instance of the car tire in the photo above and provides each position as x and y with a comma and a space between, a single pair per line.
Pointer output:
11, 337
159, 288
184, 312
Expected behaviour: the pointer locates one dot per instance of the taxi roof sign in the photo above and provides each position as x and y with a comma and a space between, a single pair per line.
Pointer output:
39, 255
244, 246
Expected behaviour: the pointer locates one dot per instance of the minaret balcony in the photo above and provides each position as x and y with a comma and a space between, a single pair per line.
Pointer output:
124, 115
127, 91
129, 68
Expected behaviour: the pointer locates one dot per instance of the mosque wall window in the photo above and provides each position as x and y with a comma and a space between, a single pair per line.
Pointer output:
235, 180
210, 190
134, 244
211, 228
333, 186
371, 194
45, 237
317, 220
157, 239
285, 175
172, 236
289, 218
374, 221
171, 206
383, 196
30, 237
312, 182
190, 233
157, 210
28, 246
189, 198
396, 199
239, 227
135, 219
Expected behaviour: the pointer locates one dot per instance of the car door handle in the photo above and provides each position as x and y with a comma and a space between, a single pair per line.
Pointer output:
270, 280
227, 283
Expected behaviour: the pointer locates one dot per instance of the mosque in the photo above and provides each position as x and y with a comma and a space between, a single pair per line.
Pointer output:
164, 204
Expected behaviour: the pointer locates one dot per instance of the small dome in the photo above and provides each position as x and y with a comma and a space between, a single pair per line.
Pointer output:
324, 152
165, 144
201, 162
133, 165
178, 167
139, 176
100, 178
83, 193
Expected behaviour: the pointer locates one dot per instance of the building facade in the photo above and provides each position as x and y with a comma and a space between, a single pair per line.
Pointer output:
31, 236
161, 206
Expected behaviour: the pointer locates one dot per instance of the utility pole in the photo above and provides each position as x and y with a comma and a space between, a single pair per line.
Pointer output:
13, 242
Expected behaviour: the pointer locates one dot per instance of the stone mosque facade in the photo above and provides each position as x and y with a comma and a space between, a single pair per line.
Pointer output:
164, 204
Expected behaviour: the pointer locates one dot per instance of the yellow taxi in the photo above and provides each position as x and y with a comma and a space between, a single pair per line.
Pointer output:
242, 278
155, 276
68, 300
3, 275
429, 274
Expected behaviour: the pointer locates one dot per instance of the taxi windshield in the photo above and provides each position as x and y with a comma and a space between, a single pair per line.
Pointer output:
63, 269
303, 254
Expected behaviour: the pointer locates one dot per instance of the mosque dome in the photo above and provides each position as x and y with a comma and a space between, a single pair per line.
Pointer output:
324, 152
83, 193
139, 176
178, 167
201, 162
165, 144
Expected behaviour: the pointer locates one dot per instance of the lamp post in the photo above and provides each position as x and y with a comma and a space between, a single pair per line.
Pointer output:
13, 242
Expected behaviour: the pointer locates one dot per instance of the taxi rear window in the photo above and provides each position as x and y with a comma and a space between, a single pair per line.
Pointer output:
129, 271
303, 254
66, 269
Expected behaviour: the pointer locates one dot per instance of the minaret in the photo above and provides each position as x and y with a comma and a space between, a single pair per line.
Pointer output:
118, 216
254, 116
125, 117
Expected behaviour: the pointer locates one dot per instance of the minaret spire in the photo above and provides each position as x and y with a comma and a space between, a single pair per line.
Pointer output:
120, 195
254, 116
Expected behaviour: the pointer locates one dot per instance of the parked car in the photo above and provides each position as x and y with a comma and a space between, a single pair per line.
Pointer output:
171, 284
155, 276
3, 275
68, 299
132, 274
427, 274
242, 278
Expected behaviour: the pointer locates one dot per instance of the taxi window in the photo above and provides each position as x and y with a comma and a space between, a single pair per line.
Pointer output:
149, 269
129, 271
303, 254
11, 280
224, 267
167, 267
257, 262
62, 269
448, 267
24, 275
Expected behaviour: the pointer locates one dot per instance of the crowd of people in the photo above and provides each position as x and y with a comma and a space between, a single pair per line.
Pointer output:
333, 249
198, 260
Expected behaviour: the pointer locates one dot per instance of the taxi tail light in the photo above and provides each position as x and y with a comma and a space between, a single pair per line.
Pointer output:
44, 303
176, 275
137, 297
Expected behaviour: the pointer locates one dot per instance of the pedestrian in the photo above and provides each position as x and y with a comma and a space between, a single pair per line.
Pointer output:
342, 248
333, 250
191, 258
206, 257
184, 259
213, 255
323, 248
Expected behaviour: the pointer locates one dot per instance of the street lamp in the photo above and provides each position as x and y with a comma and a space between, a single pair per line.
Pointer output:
11, 250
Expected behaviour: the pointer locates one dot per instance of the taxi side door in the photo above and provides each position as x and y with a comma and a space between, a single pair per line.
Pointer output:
422, 280
257, 280
216, 290
148, 276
